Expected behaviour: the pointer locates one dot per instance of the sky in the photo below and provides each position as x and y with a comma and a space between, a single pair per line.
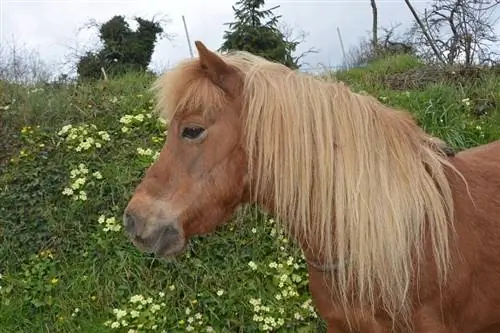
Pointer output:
54, 27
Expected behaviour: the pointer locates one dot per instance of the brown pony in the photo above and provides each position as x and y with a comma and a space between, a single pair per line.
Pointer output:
399, 236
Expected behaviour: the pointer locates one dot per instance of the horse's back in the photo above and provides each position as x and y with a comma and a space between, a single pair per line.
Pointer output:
487, 152
477, 291
481, 168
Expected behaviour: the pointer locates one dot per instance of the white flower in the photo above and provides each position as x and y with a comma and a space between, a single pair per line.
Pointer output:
83, 195
252, 265
136, 298
68, 191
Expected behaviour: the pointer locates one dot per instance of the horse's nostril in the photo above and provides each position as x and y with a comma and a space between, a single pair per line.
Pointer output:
131, 223
171, 234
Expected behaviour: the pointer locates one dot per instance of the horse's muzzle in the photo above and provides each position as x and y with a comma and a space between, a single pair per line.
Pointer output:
163, 241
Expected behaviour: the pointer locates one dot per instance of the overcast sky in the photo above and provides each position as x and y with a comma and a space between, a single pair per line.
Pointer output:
52, 27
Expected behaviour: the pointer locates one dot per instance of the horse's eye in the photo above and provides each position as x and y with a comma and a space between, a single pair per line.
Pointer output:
192, 132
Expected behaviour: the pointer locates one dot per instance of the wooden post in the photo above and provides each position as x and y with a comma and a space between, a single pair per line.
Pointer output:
187, 37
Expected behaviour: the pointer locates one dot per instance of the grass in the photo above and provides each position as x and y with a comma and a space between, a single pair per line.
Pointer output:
71, 157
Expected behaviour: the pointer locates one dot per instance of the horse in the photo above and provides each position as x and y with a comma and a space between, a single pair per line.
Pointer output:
399, 234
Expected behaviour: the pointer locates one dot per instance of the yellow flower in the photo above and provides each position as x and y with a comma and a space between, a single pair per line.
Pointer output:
54, 280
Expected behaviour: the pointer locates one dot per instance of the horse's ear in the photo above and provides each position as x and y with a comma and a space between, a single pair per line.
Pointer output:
217, 70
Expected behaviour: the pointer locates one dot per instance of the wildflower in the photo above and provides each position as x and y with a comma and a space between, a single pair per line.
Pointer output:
136, 298
75, 312
127, 119
104, 135
252, 265
142, 151
220, 292
67, 191
112, 225
79, 182
119, 313
82, 196
64, 129
26, 129
54, 280
97, 175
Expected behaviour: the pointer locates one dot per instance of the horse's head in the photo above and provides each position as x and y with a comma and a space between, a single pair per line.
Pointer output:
200, 177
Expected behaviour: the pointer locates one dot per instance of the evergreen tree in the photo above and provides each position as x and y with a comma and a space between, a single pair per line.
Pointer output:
256, 30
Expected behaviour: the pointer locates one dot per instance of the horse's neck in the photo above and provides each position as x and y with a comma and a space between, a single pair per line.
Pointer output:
311, 252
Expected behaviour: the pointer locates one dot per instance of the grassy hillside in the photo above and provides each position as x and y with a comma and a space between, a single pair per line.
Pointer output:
70, 157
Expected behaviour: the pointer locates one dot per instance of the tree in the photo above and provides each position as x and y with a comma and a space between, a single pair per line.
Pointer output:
123, 49
256, 30
457, 31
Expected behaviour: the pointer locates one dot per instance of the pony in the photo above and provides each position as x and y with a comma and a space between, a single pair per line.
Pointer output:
399, 233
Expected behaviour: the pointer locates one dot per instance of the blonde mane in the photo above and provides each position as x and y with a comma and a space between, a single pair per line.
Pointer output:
357, 179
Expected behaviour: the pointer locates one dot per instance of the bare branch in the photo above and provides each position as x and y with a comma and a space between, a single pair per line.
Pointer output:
462, 31
424, 31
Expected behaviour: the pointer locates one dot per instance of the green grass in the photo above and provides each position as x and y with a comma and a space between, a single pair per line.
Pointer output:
67, 267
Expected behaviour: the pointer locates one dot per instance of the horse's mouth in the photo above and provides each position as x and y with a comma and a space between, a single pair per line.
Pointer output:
168, 243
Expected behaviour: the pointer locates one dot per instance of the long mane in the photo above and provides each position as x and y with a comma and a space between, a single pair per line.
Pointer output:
354, 177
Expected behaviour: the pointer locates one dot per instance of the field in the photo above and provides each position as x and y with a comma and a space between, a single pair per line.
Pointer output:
70, 157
